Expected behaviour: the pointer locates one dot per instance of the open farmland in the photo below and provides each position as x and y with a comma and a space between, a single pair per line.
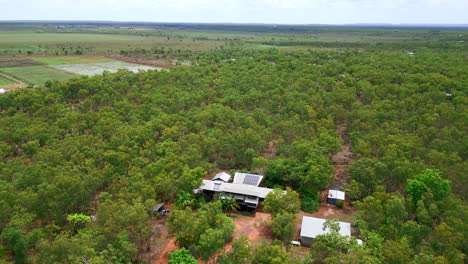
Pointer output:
56, 60
20, 42
18, 62
4, 81
37, 74
38, 69
36, 37
91, 69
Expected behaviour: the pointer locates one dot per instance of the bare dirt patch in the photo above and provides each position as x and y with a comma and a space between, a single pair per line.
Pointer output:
164, 254
160, 243
256, 227
270, 151
18, 62
342, 159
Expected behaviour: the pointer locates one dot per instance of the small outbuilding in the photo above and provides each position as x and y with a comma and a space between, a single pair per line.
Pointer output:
158, 207
312, 227
334, 196
223, 176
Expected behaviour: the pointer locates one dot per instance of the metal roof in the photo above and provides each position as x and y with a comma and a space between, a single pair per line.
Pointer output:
159, 206
312, 227
247, 178
235, 188
335, 194
223, 176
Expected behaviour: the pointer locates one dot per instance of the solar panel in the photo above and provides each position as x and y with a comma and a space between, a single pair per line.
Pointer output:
251, 179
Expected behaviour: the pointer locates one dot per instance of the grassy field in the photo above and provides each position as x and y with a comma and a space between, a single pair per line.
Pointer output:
37, 74
5, 81
57, 60
35, 37
91, 69
104, 39
21, 42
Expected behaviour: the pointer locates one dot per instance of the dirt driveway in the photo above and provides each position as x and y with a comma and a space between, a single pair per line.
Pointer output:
254, 227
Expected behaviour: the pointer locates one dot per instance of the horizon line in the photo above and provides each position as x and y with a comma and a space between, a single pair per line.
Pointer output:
247, 23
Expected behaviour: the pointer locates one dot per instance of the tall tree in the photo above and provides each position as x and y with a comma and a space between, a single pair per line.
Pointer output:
279, 200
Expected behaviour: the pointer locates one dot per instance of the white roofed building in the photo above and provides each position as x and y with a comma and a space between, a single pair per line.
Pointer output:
223, 176
312, 227
334, 196
244, 188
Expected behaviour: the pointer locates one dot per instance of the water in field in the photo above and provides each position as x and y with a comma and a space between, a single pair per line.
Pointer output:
91, 69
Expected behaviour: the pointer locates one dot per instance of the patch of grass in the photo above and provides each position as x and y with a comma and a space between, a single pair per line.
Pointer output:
57, 60
348, 216
17, 62
37, 74
6, 81
34, 37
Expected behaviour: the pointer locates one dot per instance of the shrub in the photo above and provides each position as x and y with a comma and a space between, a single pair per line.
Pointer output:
310, 201
181, 256
340, 203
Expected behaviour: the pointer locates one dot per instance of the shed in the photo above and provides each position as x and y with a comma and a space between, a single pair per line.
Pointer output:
223, 176
312, 227
334, 196
158, 207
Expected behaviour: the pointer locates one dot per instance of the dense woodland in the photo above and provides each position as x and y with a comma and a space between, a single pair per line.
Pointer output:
85, 161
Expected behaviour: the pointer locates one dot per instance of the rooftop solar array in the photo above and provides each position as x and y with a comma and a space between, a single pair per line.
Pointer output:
247, 179
251, 179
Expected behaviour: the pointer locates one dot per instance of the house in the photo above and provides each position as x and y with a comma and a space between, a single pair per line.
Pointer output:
334, 196
223, 176
244, 189
312, 227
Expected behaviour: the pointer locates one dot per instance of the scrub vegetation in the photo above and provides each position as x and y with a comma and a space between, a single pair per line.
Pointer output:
85, 161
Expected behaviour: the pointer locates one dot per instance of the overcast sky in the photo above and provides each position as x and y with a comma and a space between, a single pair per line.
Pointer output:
242, 11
